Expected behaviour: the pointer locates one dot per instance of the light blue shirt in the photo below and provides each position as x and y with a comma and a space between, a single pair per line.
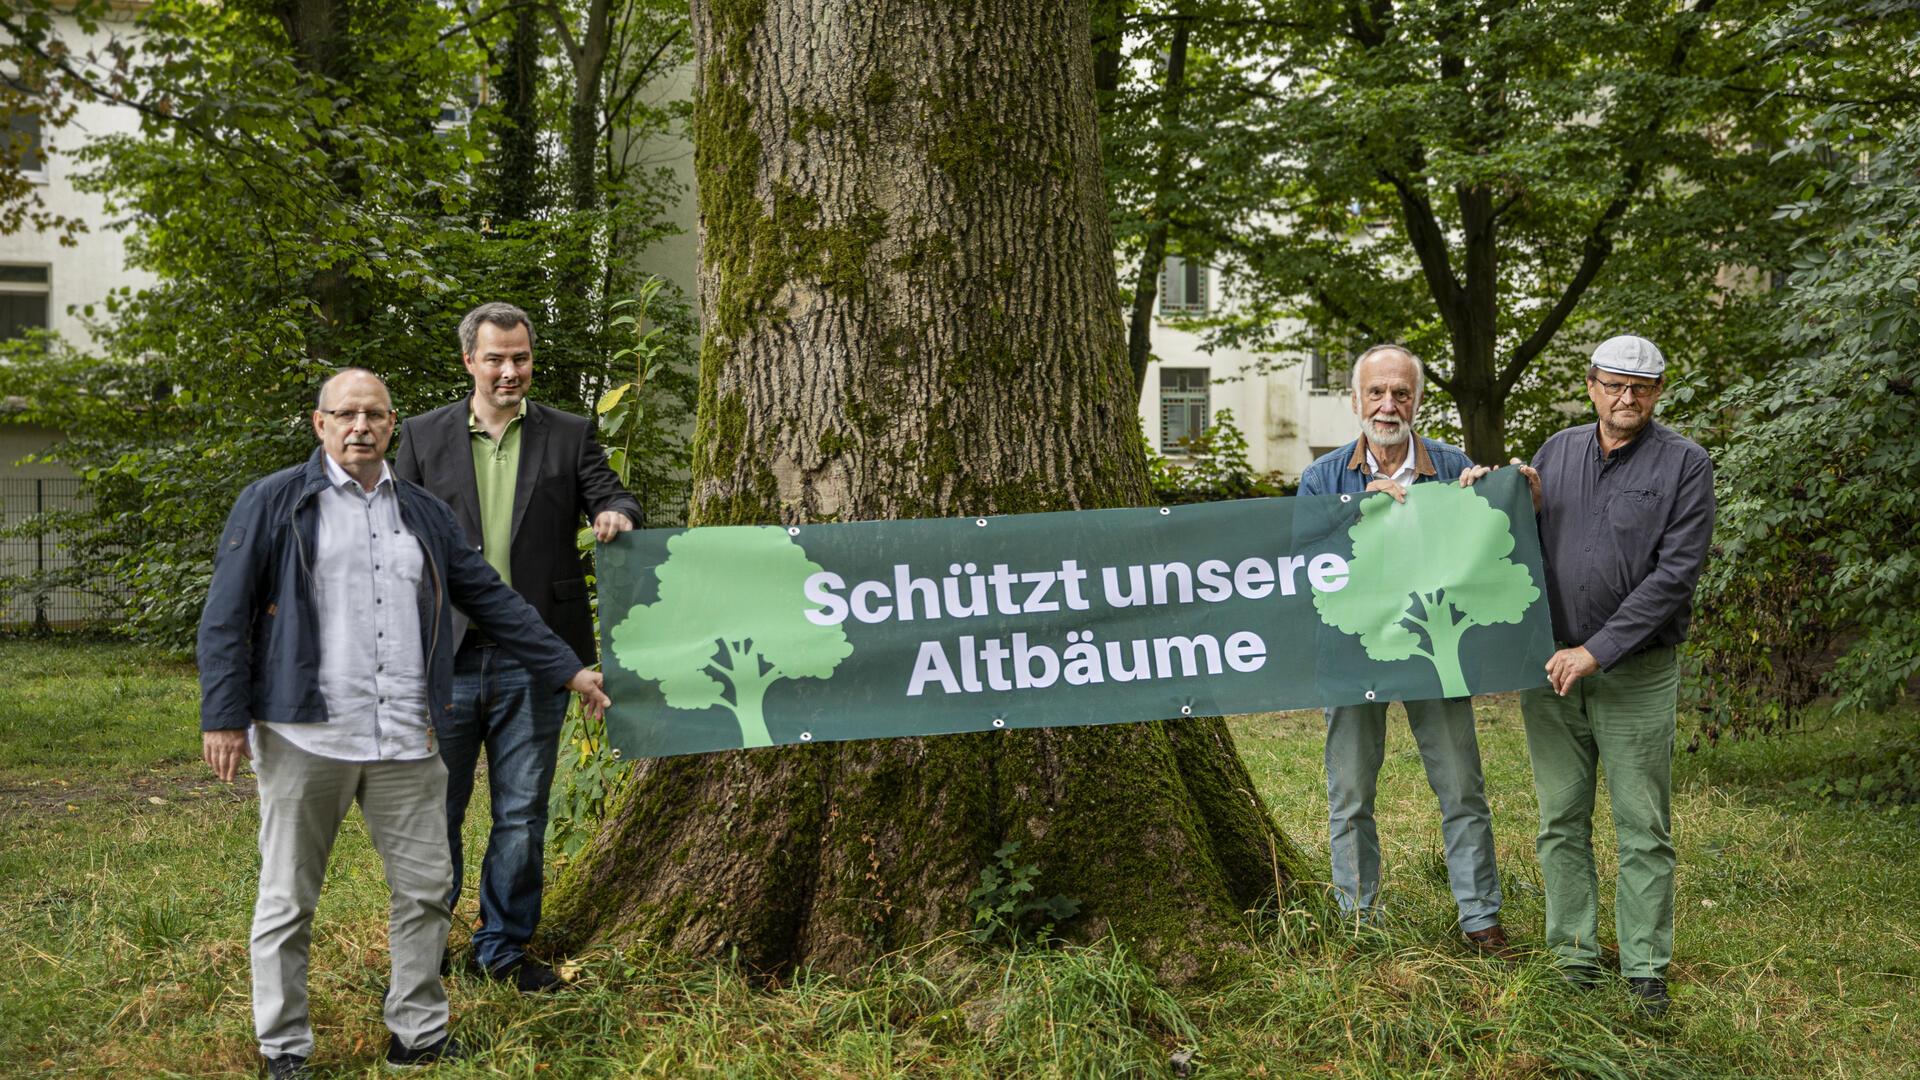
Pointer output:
367, 571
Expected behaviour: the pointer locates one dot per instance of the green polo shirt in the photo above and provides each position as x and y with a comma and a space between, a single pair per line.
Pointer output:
496, 467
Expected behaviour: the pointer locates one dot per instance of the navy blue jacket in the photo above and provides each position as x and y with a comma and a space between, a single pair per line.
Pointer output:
260, 636
1344, 471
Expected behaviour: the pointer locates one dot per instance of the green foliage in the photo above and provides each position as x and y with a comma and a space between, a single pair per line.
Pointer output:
588, 770
1815, 584
727, 625
1214, 467
1005, 906
1497, 185
303, 207
1455, 577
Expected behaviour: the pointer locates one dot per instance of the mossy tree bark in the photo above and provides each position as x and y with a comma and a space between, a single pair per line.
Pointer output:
907, 288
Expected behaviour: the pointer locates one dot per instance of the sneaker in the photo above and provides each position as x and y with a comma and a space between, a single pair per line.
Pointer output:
1492, 943
442, 1049
528, 975
1650, 996
289, 1067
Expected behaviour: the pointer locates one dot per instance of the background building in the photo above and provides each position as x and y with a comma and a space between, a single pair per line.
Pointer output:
1291, 409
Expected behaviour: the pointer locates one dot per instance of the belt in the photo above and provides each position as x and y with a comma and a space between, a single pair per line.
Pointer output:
476, 639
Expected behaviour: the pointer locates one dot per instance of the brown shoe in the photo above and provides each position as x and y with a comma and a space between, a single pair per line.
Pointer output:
1492, 942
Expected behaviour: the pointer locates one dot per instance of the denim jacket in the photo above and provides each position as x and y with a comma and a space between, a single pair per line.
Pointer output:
259, 649
1344, 471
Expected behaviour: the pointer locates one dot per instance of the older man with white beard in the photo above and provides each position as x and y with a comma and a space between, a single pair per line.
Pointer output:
1388, 457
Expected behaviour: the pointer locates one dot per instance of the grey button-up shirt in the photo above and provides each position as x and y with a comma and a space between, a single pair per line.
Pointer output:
368, 572
1624, 536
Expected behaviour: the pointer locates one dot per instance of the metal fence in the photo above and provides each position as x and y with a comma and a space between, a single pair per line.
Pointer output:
31, 559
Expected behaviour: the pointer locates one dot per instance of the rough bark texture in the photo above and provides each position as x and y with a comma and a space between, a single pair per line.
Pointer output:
907, 287
322, 46
517, 176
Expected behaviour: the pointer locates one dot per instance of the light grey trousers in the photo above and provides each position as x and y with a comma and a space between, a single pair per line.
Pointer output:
1356, 747
303, 800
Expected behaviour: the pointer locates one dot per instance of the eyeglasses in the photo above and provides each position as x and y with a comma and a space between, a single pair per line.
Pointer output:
348, 416
1636, 389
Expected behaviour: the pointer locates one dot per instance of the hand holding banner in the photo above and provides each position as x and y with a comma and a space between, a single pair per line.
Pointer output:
717, 638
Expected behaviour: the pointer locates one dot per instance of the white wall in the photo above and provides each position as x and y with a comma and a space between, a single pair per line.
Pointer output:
1286, 421
96, 264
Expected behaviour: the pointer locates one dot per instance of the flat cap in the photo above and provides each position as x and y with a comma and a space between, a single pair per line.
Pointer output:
1629, 355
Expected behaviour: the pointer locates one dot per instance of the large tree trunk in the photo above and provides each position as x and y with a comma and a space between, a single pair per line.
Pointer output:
907, 284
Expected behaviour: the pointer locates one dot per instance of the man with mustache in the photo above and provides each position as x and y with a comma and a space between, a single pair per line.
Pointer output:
1387, 457
324, 657
1626, 517
522, 478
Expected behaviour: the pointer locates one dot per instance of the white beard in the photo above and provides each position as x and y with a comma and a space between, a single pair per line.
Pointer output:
1394, 436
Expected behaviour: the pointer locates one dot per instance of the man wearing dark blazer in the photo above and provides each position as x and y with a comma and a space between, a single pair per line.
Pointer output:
521, 478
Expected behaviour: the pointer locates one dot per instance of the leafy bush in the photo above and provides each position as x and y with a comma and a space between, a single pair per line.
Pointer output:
1216, 468
1815, 583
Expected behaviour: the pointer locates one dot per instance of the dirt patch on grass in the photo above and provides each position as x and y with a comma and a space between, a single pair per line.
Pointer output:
39, 796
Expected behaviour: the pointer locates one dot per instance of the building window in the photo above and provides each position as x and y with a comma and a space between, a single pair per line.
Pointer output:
23, 137
1183, 287
1320, 370
24, 297
1328, 364
1183, 407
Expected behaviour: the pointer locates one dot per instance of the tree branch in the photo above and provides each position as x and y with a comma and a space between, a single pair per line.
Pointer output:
1598, 243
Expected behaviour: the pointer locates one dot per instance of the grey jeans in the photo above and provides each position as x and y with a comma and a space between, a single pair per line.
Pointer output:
303, 800
1356, 746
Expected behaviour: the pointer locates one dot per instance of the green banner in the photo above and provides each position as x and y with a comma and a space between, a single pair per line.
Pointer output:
716, 638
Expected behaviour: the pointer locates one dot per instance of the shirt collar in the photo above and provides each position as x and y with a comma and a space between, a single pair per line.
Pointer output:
337, 476
473, 418
1422, 462
1622, 451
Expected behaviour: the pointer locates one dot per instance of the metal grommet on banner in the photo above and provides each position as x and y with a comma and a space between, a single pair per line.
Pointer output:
1346, 498
982, 522
1164, 511
1186, 710
793, 530
999, 722
1369, 695
807, 736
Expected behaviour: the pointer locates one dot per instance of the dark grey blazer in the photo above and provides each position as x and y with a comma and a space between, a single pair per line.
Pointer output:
563, 482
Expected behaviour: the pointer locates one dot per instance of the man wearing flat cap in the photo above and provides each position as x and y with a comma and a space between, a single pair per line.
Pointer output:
1626, 515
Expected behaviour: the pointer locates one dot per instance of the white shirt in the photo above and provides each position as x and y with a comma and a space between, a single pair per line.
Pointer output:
1405, 474
367, 572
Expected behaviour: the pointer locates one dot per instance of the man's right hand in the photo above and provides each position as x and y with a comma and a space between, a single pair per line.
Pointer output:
224, 750
1390, 487
1526, 471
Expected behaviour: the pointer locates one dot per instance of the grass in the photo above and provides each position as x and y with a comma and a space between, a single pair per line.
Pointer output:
126, 886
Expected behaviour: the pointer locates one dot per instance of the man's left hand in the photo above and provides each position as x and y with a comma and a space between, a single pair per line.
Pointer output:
1569, 666
609, 524
587, 683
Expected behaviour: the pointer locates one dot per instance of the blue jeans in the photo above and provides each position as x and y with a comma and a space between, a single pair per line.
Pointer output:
497, 706
1356, 748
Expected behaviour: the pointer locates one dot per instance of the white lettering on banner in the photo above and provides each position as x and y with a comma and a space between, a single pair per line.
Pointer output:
966, 593
1081, 663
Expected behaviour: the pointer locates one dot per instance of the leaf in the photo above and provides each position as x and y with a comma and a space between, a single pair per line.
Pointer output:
612, 398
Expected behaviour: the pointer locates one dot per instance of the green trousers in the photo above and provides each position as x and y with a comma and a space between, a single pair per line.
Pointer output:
1621, 721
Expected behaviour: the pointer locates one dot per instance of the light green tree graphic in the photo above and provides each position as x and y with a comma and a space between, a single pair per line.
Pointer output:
730, 622
1425, 572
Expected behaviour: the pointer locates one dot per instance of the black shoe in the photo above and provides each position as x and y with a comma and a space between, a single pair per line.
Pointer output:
1650, 996
289, 1067
444, 1049
528, 975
